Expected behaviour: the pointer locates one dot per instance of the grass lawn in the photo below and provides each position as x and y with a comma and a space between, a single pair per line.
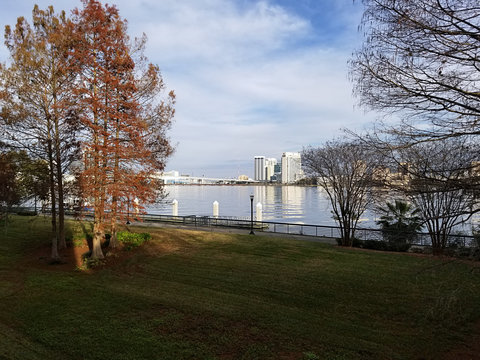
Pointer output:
203, 295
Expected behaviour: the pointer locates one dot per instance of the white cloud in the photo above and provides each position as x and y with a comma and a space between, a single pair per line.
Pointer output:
266, 106
251, 77
218, 31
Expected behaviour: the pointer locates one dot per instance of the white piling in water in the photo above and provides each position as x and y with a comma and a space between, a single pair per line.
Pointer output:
215, 209
175, 207
259, 213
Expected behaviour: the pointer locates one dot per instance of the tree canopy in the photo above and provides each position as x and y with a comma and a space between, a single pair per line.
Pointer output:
344, 170
38, 113
78, 88
440, 176
420, 59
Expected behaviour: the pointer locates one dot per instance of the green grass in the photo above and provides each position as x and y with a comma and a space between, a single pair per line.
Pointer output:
201, 295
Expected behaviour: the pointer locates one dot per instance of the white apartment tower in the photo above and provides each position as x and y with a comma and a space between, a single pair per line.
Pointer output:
259, 173
270, 168
291, 167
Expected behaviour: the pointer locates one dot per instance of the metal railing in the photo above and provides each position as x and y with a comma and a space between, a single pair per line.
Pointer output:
422, 239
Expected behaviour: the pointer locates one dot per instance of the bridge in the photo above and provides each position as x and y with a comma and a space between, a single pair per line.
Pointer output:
173, 178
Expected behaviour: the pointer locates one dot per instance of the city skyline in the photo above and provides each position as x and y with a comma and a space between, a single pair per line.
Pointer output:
251, 77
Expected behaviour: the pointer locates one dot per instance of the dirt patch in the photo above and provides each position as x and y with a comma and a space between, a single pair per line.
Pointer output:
71, 258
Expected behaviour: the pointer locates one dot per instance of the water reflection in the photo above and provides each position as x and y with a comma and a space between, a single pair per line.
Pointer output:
293, 204
281, 202
290, 204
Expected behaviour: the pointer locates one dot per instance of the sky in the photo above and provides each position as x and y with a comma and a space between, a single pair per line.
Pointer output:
252, 77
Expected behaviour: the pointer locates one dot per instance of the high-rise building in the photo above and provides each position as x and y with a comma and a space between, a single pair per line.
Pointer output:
259, 173
270, 164
277, 177
291, 167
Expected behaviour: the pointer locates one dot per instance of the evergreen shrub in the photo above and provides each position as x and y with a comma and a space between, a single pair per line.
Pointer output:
132, 240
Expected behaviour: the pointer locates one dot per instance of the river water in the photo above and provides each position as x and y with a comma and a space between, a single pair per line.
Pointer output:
289, 204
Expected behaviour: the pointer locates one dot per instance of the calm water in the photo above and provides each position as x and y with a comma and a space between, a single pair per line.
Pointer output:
292, 204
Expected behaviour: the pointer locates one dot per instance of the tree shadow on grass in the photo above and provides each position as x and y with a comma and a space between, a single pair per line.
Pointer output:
88, 232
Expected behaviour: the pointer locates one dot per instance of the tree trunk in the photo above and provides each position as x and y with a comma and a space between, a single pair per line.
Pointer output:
437, 246
61, 210
54, 254
61, 216
99, 191
113, 235
58, 159
97, 252
98, 233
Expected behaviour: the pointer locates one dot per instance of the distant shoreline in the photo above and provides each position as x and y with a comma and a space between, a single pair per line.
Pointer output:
249, 184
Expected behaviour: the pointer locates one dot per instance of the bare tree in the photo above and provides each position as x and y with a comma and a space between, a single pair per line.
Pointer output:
344, 170
420, 60
439, 183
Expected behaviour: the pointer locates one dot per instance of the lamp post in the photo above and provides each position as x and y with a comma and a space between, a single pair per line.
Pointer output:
251, 215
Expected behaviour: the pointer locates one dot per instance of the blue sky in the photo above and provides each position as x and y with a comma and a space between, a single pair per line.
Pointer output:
251, 77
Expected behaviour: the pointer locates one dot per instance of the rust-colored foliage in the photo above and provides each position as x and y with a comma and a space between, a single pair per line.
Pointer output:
81, 78
120, 152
